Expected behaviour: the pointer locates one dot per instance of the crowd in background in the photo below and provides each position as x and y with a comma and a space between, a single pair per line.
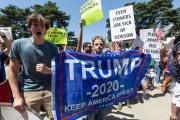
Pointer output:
25, 81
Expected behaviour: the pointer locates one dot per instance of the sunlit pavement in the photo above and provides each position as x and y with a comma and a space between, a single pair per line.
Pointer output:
157, 108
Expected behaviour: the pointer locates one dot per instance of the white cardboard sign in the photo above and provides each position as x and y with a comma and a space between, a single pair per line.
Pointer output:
7, 112
7, 31
151, 43
122, 23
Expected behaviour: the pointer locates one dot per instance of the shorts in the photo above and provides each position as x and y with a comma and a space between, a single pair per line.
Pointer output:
34, 100
5, 92
167, 73
175, 94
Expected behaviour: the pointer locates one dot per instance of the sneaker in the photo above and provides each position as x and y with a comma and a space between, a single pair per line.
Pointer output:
119, 107
158, 84
145, 98
172, 118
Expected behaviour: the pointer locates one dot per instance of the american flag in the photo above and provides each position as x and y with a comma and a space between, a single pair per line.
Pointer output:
116, 45
159, 32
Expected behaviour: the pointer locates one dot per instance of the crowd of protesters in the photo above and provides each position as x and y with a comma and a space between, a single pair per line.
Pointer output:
36, 72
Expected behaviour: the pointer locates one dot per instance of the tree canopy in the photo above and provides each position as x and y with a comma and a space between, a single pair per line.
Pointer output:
15, 17
147, 15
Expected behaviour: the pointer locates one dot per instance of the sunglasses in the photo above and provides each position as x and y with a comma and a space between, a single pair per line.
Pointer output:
89, 46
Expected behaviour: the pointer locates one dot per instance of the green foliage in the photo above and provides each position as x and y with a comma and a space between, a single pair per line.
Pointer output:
56, 17
12, 16
148, 14
15, 17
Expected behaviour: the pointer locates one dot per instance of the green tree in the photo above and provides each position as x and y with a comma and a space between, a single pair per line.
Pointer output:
148, 14
12, 16
15, 17
57, 19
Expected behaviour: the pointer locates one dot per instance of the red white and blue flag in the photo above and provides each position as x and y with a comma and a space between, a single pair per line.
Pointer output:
159, 32
116, 46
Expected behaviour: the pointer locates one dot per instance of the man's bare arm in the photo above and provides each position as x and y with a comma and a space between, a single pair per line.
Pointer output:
13, 76
79, 45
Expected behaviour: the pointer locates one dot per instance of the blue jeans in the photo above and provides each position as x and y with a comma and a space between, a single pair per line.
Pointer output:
158, 73
101, 115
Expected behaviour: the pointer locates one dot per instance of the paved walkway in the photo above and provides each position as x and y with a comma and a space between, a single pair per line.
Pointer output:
157, 108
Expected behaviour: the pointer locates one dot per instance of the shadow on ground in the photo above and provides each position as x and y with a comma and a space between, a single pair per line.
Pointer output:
111, 117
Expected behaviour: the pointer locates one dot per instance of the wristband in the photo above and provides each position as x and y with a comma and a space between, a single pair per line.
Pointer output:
3, 36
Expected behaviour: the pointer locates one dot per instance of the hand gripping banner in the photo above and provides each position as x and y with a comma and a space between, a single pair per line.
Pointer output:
85, 83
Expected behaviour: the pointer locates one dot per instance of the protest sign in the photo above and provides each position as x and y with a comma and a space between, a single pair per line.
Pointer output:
151, 43
91, 12
56, 36
7, 112
137, 42
7, 31
169, 42
85, 83
122, 23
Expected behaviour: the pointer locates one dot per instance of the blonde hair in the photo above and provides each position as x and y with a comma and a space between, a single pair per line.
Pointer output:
97, 37
37, 17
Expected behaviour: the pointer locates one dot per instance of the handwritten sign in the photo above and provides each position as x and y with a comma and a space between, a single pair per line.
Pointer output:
151, 43
91, 12
56, 36
122, 23
7, 31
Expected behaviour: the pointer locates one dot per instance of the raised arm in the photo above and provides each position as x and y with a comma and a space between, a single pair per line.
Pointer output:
6, 42
79, 45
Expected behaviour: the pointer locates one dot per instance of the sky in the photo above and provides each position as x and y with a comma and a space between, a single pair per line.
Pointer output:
72, 8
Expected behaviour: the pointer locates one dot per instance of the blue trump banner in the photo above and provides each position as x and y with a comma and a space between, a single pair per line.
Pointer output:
85, 83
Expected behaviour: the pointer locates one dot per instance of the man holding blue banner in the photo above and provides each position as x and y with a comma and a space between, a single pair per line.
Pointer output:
88, 83
98, 44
